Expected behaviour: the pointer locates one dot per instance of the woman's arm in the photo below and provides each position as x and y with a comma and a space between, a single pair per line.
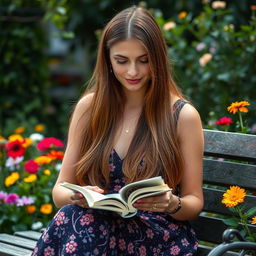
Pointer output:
61, 195
190, 133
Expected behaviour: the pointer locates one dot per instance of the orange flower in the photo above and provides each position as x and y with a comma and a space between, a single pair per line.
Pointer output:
20, 129
56, 154
46, 209
30, 209
182, 15
254, 220
41, 160
27, 142
233, 196
39, 128
238, 106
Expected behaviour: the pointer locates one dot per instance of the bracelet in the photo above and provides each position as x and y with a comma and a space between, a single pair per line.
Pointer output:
177, 208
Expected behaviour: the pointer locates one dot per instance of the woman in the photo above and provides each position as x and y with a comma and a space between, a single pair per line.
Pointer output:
133, 123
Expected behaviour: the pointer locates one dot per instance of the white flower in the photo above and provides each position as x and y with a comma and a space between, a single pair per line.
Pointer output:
58, 166
205, 59
13, 163
218, 4
169, 25
36, 136
37, 225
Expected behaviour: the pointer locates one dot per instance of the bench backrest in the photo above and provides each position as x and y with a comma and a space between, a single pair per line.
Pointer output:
230, 159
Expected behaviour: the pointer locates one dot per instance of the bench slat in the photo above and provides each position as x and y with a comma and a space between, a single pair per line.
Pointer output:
33, 235
18, 241
10, 250
204, 250
230, 145
229, 173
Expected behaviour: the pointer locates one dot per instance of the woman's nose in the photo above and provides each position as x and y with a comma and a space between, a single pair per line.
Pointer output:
132, 70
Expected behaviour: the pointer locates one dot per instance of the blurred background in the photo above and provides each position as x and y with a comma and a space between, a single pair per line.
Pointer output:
48, 49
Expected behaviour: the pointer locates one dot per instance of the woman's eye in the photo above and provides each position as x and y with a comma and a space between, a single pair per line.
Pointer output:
121, 61
144, 61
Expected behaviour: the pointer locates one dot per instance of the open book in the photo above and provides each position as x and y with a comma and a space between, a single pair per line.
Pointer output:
122, 202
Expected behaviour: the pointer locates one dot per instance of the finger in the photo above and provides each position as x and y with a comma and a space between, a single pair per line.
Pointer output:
96, 189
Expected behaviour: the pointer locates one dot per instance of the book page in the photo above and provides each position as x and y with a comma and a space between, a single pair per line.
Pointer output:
128, 189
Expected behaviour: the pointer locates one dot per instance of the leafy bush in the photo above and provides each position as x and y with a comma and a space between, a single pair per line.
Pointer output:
28, 167
214, 61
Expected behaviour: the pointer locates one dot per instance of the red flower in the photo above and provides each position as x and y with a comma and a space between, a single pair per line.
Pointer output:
31, 166
224, 121
15, 149
49, 142
253, 7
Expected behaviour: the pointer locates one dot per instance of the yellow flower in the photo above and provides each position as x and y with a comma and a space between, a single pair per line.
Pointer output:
238, 106
30, 209
233, 196
169, 25
11, 179
28, 142
47, 172
254, 220
43, 160
31, 178
182, 15
20, 129
15, 137
46, 209
39, 128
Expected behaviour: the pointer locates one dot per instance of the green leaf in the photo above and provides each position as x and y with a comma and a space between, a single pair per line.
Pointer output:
251, 212
231, 222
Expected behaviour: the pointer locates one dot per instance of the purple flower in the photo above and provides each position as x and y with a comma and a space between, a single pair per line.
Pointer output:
200, 47
25, 201
11, 198
3, 195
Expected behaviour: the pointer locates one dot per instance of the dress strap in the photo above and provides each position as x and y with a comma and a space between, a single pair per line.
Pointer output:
178, 105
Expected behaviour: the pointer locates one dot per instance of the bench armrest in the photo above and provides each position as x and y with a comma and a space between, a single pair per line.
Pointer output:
228, 244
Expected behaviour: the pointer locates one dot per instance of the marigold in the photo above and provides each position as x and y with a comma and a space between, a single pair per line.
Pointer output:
46, 209
30, 209
41, 160
182, 15
47, 172
15, 137
31, 178
20, 129
238, 106
254, 220
39, 128
233, 196
11, 179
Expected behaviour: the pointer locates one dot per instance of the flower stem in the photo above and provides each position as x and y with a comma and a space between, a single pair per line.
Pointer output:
241, 121
243, 220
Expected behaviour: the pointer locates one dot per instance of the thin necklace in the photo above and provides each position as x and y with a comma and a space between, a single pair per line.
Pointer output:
127, 130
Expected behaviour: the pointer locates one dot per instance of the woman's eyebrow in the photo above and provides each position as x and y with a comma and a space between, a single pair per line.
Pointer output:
122, 56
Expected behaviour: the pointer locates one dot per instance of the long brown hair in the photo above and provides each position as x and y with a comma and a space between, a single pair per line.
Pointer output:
155, 140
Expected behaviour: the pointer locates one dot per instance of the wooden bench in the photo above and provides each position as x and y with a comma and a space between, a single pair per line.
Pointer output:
220, 171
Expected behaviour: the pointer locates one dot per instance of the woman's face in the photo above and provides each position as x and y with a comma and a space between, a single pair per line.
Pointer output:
129, 60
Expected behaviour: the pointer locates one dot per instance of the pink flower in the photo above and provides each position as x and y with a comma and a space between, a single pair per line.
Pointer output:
48, 251
184, 242
122, 244
86, 219
59, 218
112, 243
224, 121
149, 233
142, 251
31, 166
130, 248
173, 226
175, 250
71, 246
166, 235
49, 142
12, 198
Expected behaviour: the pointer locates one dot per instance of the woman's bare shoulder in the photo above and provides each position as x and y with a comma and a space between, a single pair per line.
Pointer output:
83, 104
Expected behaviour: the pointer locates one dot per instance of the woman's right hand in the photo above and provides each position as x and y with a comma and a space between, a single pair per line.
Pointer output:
78, 198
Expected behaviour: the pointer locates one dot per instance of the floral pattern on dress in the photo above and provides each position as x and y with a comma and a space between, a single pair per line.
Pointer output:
78, 231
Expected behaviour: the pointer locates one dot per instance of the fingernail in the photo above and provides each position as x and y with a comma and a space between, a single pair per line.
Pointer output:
81, 195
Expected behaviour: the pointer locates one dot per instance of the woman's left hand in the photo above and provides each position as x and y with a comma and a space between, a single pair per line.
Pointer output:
165, 202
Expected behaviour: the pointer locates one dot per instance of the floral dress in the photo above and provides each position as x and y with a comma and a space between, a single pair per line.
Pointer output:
80, 231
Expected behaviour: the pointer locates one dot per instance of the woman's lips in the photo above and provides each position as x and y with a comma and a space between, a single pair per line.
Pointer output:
133, 81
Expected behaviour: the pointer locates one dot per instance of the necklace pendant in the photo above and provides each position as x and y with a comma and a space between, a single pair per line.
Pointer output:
126, 130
